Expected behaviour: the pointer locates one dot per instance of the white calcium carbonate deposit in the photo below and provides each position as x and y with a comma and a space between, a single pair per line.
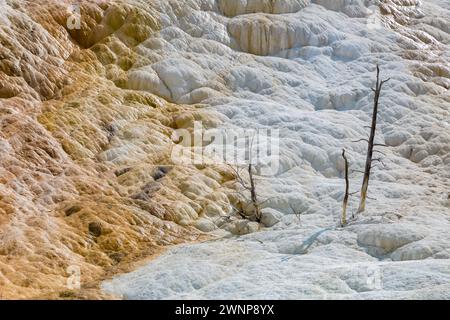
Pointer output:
306, 68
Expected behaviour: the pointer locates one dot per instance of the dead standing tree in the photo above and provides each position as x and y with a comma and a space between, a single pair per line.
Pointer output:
253, 195
250, 187
371, 144
345, 202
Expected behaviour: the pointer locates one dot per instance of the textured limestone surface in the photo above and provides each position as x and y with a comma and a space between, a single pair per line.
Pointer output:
87, 177
307, 68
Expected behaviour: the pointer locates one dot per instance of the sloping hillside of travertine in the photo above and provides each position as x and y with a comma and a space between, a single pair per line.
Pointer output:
307, 68
85, 168
87, 118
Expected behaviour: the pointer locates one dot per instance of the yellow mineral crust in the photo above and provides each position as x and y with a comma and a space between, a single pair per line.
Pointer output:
86, 176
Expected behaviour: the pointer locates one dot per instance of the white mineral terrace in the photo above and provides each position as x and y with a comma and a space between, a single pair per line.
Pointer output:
95, 97
306, 68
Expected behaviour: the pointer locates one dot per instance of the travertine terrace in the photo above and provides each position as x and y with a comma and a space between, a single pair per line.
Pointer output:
87, 117
78, 146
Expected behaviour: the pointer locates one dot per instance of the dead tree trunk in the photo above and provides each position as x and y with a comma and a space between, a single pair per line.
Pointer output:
345, 202
254, 197
368, 166
249, 186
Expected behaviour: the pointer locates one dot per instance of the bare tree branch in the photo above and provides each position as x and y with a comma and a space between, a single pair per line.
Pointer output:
295, 212
378, 151
375, 166
361, 140
264, 201
380, 161
250, 186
